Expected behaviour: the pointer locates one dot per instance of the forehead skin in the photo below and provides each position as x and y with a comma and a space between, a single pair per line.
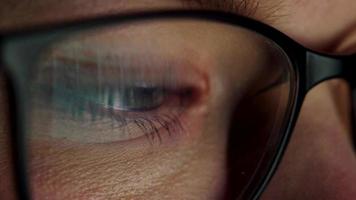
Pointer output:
322, 25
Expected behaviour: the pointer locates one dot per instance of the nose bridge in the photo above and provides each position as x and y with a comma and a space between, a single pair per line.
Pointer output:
341, 178
323, 67
332, 168
319, 162
331, 156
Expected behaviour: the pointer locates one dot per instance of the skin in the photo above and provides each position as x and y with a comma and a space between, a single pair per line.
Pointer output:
320, 160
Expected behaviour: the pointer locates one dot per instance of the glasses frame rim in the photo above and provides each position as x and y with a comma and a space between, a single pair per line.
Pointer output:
305, 63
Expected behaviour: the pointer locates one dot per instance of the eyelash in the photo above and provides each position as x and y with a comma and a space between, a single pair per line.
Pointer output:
170, 123
151, 125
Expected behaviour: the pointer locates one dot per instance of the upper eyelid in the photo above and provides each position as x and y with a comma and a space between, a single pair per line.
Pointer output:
174, 73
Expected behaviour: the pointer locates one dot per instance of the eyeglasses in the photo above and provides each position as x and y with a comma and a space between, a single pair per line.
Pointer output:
152, 80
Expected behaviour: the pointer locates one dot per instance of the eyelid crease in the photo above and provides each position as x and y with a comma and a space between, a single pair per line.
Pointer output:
242, 7
270, 12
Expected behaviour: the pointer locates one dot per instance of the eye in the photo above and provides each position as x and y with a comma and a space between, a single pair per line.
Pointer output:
82, 101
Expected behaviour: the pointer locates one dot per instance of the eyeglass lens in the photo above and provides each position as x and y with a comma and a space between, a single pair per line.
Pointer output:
119, 110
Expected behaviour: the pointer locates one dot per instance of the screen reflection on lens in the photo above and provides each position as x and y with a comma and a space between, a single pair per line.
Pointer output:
123, 111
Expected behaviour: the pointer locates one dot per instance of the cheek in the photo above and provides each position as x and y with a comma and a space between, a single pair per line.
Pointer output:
195, 168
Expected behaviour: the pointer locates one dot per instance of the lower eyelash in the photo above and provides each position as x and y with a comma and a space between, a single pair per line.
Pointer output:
152, 126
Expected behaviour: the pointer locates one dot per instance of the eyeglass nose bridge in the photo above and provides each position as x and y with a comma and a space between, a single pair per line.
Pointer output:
320, 68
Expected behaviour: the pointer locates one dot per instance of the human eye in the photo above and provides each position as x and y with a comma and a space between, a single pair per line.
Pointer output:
107, 96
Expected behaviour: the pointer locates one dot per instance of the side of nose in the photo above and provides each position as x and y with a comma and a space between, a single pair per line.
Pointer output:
320, 161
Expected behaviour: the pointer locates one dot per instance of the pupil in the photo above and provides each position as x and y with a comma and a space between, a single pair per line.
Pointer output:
138, 98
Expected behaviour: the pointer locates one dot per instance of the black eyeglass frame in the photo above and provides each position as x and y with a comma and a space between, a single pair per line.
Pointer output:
310, 68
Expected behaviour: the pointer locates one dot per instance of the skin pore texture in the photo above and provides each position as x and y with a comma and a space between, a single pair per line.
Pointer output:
319, 163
